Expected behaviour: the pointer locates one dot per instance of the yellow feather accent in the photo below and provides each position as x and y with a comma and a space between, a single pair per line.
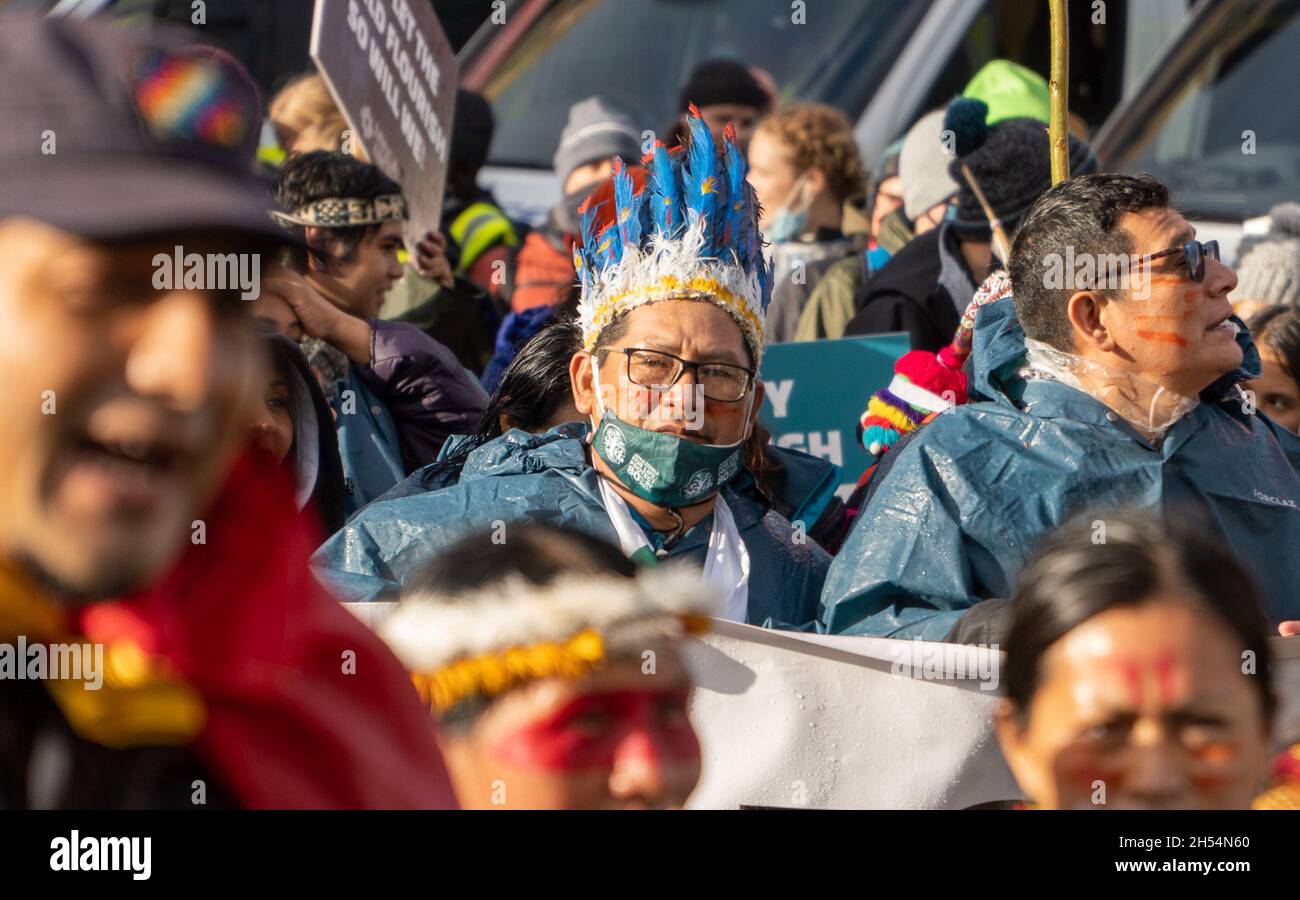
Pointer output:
674, 288
492, 674
878, 407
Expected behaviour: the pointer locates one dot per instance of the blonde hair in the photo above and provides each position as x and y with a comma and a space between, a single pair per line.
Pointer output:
302, 102
327, 134
820, 137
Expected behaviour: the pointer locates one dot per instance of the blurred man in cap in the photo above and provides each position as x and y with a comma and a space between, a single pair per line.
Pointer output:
136, 525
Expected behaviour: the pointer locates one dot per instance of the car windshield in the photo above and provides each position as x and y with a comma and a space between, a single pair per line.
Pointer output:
1227, 143
638, 53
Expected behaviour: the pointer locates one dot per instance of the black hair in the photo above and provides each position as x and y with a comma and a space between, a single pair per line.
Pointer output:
1077, 217
1278, 329
532, 388
537, 553
1078, 572
716, 81
308, 177
471, 138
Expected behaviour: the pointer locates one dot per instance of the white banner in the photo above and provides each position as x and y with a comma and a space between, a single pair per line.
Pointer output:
829, 722
832, 722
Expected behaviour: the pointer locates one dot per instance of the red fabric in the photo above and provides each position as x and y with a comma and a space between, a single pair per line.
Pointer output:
603, 198
244, 622
928, 371
543, 274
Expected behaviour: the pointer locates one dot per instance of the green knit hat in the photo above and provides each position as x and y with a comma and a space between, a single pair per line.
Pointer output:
1010, 91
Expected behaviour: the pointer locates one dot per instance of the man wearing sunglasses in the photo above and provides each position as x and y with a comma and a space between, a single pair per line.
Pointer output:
1115, 385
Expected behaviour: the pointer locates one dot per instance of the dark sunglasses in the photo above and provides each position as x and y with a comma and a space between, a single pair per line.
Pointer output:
1195, 253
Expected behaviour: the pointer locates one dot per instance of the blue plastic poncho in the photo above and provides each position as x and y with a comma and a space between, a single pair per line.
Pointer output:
957, 512
546, 478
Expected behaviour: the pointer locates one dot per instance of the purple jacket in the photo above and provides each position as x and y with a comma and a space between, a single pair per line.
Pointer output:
428, 392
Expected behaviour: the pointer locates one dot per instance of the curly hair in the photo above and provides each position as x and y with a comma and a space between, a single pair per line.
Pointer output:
820, 137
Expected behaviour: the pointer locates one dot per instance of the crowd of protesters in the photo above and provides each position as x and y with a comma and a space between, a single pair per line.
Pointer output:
527, 455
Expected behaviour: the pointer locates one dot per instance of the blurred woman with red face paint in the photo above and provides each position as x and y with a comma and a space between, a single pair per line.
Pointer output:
1137, 672
552, 666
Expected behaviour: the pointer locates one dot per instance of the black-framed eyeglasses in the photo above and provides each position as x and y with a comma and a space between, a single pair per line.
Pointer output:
657, 369
1194, 253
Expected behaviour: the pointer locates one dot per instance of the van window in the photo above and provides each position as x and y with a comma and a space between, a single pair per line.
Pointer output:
638, 53
1020, 34
1227, 141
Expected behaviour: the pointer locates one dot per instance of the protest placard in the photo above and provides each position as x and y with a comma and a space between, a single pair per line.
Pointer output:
393, 74
816, 390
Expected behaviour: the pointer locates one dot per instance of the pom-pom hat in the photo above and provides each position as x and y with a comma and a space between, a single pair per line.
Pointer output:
691, 233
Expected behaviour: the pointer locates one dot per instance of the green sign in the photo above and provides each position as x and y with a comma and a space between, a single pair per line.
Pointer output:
817, 390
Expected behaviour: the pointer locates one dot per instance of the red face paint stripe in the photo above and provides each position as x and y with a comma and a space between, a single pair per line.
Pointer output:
1163, 337
563, 742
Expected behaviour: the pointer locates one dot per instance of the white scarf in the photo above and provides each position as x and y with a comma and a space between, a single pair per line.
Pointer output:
726, 563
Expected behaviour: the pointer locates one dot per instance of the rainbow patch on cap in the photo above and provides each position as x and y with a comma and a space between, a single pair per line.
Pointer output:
188, 98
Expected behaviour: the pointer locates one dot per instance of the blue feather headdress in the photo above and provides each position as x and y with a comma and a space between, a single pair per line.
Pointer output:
690, 233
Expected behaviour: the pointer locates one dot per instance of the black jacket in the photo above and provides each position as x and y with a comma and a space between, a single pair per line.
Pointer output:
906, 295
44, 764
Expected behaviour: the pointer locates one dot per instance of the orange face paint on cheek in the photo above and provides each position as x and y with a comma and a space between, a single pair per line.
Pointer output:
1163, 337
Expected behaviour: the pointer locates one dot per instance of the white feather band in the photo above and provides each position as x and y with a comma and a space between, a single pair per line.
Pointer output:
428, 633
668, 270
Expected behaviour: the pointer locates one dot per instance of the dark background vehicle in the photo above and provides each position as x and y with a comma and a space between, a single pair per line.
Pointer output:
884, 62
1218, 117
269, 37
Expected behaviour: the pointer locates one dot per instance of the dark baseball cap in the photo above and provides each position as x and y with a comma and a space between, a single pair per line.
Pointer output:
109, 130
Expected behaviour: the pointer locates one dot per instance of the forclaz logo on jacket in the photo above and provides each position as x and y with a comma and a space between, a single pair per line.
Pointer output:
102, 854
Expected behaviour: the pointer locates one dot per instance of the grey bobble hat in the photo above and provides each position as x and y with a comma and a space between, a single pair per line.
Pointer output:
1270, 264
595, 131
923, 166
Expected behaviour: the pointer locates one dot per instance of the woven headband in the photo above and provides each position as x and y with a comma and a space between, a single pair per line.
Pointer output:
345, 212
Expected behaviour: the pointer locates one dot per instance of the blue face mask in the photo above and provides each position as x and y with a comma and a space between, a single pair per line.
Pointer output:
788, 223
664, 469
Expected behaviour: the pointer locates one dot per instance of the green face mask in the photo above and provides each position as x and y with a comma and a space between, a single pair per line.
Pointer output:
664, 469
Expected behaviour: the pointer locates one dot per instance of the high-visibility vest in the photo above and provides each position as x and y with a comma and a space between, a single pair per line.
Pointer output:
477, 229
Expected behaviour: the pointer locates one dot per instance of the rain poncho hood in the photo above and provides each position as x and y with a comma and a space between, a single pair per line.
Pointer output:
546, 478
955, 512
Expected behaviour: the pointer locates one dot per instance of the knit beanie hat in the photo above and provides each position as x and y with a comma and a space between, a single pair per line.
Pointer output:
925, 384
595, 131
718, 81
471, 132
1010, 91
923, 166
1270, 264
1009, 160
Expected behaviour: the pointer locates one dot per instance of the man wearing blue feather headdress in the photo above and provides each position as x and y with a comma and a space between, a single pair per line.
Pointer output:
674, 294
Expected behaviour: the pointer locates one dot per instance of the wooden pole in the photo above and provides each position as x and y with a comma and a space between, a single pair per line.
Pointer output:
1058, 87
